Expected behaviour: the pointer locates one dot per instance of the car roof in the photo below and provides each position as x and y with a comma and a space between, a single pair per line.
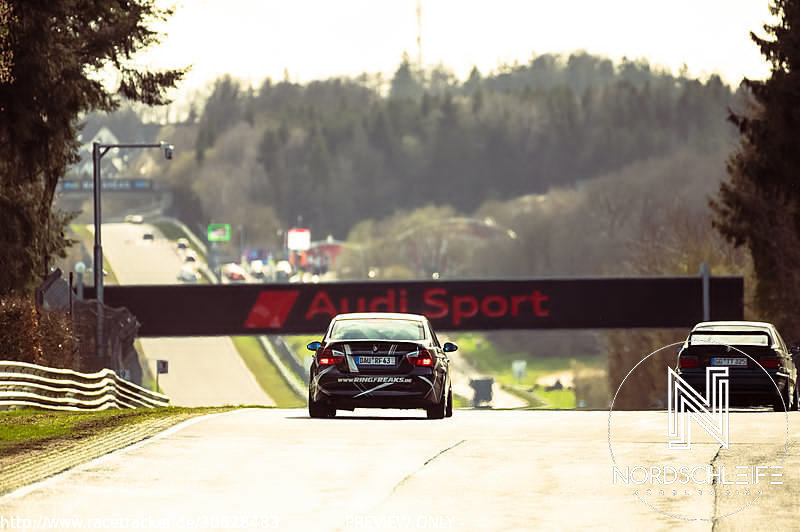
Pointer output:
384, 315
733, 325
739, 326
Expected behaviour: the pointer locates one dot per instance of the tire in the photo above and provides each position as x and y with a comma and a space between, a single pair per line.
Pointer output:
439, 410
449, 410
318, 410
795, 405
778, 405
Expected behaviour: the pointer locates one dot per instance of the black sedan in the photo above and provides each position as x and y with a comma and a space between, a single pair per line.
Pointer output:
760, 366
380, 360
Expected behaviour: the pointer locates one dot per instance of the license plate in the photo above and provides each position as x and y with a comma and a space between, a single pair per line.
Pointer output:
375, 361
725, 361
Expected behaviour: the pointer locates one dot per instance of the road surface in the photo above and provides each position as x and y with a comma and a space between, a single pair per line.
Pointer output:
203, 371
480, 470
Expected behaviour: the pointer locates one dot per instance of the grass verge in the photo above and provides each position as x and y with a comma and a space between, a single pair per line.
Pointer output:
459, 401
298, 344
482, 355
148, 379
265, 373
24, 430
539, 398
533, 400
173, 232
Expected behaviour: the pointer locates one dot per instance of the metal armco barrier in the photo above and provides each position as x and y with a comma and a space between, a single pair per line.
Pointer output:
30, 385
584, 303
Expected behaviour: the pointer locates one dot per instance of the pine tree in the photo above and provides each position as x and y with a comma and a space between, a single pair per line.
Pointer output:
405, 83
760, 206
223, 109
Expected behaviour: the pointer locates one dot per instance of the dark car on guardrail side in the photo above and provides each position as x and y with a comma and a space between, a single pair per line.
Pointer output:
380, 360
761, 370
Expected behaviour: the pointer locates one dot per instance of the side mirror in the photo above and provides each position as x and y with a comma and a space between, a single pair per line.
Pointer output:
449, 347
313, 346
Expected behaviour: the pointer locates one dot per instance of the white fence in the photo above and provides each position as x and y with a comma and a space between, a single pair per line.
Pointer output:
29, 385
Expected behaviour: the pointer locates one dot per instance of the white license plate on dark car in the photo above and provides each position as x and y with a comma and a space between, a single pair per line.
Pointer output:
728, 361
375, 361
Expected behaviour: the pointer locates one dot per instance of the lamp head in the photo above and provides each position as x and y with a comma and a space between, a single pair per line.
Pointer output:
169, 149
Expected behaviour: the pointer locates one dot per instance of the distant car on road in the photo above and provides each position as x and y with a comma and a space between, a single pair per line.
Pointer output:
182, 243
134, 219
148, 237
257, 269
283, 270
757, 358
190, 258
380, 360
188, 275
234, 272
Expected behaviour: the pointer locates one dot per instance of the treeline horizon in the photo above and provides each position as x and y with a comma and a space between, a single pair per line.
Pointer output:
329, 154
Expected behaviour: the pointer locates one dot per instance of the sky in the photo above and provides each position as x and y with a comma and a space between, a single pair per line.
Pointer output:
317, 39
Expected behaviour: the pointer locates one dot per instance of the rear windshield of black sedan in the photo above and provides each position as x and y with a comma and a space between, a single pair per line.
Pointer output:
377, 329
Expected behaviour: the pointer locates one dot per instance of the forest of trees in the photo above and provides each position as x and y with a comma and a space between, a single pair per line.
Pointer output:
333, 153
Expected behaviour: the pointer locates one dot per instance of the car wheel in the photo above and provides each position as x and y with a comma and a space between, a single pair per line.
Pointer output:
449, 411
319, 410
439, 410
795, 405
786, 404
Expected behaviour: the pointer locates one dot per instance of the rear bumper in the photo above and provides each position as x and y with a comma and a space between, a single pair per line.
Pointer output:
398, 402
420, 389
745, 385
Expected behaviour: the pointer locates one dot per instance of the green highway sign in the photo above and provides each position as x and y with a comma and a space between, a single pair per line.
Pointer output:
219, 232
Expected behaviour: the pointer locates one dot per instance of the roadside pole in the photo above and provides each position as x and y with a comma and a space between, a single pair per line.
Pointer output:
705, 275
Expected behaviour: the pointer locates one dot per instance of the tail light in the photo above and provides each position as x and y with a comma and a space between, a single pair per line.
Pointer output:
688, 361
769, 362
422, 357
328, 358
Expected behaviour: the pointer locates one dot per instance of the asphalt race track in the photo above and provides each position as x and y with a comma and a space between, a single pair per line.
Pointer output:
374, 470
202, 371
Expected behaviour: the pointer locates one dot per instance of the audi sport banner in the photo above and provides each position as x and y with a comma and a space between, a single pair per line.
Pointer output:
599, 303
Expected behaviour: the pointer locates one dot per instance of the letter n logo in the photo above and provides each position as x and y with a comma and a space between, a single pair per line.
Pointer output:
685, 404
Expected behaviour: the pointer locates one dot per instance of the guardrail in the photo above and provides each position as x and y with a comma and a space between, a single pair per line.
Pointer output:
289, 377
23, 385
196, 241
288, 357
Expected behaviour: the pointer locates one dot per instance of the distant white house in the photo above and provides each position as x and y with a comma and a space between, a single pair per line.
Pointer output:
112, 164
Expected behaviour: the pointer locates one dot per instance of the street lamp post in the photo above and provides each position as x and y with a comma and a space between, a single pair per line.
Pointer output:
98, 151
